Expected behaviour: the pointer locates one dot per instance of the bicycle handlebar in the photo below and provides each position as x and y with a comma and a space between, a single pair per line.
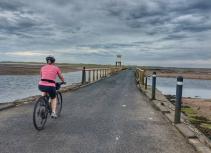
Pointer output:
58, 85
61, 83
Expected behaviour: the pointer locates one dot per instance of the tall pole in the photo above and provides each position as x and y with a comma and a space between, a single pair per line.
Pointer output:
84, 75
89, 76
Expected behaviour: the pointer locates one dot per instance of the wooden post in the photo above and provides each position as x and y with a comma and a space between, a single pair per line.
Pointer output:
93, 75
83, 76
146, 82
100, 74
136, 75
139, 77
97, 74
89, 76
142, 76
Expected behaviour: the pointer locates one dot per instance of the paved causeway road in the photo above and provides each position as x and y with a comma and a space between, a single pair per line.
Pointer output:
110, 116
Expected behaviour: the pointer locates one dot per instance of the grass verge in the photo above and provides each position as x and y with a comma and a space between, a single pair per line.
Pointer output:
202, 123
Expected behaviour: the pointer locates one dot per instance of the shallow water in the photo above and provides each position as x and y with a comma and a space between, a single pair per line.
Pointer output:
15, 87
191, 88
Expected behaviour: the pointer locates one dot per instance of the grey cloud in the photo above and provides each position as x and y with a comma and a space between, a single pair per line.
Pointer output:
142, 15
110, 45
175, 37
152, 29
195, 5
10, 5
182, 56
192, 28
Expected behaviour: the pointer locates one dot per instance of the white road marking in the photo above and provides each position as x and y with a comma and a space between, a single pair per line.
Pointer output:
124, 105
150, 118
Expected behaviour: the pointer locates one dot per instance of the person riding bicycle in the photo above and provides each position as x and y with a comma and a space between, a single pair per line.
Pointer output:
47, 84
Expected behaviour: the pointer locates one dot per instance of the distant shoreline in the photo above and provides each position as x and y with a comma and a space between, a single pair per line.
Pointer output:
200, 74
19, 68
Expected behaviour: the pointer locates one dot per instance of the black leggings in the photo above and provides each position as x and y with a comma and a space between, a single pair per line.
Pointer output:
49, 89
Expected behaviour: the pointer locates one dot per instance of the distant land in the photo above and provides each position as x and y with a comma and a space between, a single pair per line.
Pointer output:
175, 68
188, 73
33, 68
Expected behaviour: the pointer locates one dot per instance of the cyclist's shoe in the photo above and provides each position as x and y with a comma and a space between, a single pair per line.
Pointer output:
54, 115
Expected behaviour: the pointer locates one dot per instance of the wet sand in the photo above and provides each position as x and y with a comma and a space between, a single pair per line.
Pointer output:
201, 106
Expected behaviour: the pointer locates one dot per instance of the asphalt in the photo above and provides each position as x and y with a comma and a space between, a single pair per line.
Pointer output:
110, 116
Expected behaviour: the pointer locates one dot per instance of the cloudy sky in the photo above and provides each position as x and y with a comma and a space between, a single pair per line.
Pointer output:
145, 32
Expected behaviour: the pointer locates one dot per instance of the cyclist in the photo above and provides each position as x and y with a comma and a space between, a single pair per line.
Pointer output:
47, 84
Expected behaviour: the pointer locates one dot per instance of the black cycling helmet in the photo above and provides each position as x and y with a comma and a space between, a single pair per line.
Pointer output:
50, 59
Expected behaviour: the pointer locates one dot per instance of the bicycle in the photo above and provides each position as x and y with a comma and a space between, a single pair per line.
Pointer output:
42, 108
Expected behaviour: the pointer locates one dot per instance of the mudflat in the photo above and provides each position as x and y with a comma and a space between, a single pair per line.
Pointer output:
201, 106
193, 73
34, 68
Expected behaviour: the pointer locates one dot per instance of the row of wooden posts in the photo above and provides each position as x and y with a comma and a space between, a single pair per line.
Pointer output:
141, 79
95, 74
140, 75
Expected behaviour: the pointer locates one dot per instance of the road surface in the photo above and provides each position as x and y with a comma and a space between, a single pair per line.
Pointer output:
110, 116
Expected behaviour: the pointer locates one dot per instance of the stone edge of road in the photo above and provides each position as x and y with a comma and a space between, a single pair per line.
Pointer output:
193, 136
31, 99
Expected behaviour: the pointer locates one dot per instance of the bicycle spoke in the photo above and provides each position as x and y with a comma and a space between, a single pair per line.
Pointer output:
41, 122
40, 116
38, 113
59, 103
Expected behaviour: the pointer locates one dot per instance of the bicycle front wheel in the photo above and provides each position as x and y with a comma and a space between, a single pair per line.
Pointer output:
59, 103
40, 113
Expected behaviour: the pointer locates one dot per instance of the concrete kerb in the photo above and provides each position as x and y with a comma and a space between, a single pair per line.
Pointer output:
201, 148
31, 99
158, 105
6, 106
198, 140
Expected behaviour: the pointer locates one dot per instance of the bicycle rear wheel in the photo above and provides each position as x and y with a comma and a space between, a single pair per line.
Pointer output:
40, 113
59, 103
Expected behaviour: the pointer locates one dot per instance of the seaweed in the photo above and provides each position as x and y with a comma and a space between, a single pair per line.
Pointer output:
200, 122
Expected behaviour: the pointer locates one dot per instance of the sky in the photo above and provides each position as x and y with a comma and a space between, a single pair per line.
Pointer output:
144, 32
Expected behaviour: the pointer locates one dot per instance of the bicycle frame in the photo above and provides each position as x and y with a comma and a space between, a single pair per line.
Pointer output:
43, 107
48, 103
